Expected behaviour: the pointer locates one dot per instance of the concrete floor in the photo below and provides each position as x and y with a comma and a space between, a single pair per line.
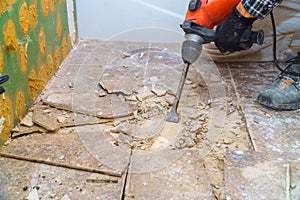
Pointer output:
98, 131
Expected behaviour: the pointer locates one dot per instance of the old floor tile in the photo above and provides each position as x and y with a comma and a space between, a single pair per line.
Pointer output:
23, 130
63, 118
183, 178
110, 106
20, 178
96, 140
65, 147
147, 67
258, 175
75, 78
274, 131
137, 79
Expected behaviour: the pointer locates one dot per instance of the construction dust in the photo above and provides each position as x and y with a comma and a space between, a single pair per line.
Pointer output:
129, 102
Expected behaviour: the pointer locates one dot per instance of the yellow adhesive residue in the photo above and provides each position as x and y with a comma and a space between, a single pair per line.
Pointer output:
20, 105
42, 40
64, 47
1, 60
10, 37
24, 18
57, 57
45, 6
23, 58
10, 4
58, 25
52, 5
3, 6
33, 15
33, 84
69, 42
42, 77
6, 116
49, 66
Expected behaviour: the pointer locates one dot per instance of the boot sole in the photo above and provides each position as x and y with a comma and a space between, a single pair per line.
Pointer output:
281, 106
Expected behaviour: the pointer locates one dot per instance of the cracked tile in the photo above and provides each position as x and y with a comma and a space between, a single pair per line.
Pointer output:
181, 178
256, 175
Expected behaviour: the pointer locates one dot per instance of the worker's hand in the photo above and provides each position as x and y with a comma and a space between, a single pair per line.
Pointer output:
234, 34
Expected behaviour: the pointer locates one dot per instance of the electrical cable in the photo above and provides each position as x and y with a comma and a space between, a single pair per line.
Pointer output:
275, 60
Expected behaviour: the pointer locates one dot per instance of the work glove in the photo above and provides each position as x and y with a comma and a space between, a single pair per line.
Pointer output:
3, 79
234, 34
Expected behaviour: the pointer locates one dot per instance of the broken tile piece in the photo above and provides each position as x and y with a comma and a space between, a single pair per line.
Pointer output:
125, 55
43, 117
25, 131
27, 120
96, 142
119, 79
145, 129
108, 107
159, 92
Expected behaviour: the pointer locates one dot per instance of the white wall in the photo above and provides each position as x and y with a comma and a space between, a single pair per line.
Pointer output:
131, 19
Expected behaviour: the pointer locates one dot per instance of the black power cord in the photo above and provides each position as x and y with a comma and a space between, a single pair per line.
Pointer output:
275, 60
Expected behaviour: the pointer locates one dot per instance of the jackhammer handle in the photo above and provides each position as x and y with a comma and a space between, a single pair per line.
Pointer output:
257, 37
3, 78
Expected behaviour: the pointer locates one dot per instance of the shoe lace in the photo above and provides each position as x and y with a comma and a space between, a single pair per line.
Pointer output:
295, 60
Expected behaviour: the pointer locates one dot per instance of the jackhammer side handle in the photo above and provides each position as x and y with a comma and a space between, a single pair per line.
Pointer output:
251, 37
257, 37
3, 79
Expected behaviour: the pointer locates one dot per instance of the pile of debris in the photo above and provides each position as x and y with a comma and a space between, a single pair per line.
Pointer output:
133, 98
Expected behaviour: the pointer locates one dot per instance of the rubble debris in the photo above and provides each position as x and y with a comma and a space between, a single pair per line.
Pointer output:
143, 95
125, 55
184, 142
102, 93
23, 130
61, 119
43, 117
71, 86
159, 92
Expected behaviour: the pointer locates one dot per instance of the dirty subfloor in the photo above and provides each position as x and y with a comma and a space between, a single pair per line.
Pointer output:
98, 131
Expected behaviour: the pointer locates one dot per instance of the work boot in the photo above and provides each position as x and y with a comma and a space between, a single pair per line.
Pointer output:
284, 92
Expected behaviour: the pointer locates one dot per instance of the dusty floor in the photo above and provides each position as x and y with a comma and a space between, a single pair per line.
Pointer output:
98, 131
